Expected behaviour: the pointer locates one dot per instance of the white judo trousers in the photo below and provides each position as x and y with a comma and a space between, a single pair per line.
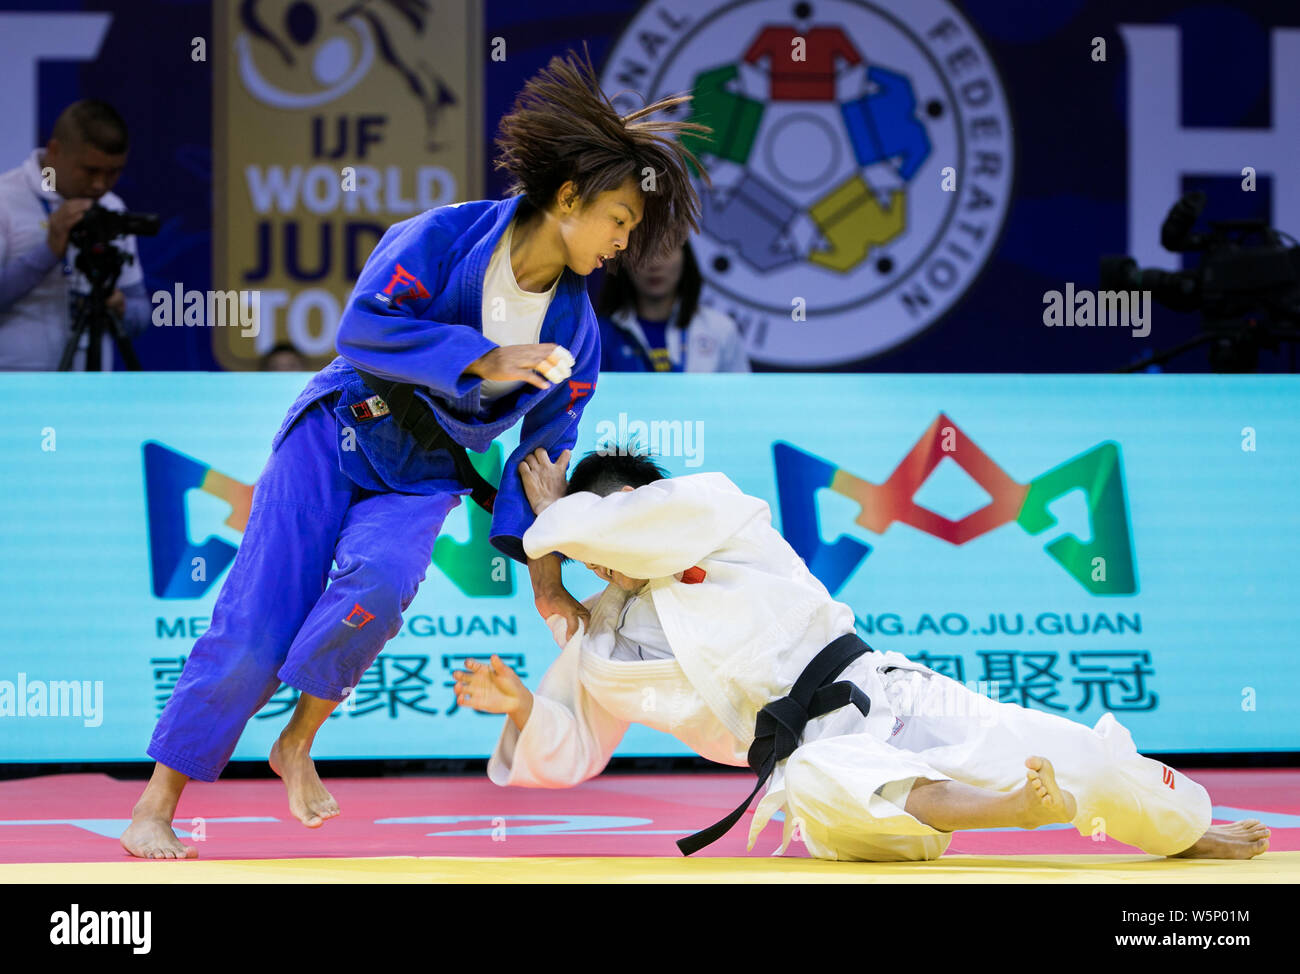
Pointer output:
741, 625
844, 795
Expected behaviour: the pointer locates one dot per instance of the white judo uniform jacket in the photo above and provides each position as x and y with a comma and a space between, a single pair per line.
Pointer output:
743, 616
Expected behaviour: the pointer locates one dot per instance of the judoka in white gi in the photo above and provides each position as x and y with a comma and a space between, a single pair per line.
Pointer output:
710, 615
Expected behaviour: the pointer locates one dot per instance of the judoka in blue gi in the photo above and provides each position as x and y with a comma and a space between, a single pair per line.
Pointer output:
466, 320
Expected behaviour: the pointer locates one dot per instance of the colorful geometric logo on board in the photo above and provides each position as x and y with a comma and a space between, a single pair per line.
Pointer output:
474, 566
181, 569
1103, 566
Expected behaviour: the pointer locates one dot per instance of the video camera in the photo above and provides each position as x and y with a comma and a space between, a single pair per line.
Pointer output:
99, 225
101, 263
1245, 269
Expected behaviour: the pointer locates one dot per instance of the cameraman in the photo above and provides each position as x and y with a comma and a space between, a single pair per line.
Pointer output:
39, 281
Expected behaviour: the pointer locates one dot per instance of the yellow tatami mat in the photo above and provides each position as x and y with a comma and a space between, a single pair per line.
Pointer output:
1272, 867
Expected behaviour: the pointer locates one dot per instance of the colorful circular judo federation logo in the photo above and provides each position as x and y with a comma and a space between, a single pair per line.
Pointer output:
836, 125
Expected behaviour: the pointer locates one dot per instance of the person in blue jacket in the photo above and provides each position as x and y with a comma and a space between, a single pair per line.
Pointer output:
466, 320
651, 320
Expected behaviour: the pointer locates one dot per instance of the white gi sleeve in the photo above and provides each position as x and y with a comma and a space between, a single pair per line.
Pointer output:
660, 529
568, 738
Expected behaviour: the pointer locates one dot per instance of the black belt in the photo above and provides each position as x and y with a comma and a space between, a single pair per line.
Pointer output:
414, 416
780, 725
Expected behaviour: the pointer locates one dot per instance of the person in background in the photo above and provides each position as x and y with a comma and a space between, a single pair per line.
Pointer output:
40, 202
284, 357
651, 320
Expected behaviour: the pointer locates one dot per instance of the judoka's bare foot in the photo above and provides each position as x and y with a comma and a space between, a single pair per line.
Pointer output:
309, 801
1045, 801
150, 836
1237, 840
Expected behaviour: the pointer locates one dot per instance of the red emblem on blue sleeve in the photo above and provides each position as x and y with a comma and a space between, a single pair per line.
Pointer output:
414, 292
576, 391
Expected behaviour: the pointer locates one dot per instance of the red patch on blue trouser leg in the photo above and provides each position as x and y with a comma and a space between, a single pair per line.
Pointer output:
383, 551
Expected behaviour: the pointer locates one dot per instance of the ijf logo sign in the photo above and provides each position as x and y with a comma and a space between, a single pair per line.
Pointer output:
1104, 565
861, 159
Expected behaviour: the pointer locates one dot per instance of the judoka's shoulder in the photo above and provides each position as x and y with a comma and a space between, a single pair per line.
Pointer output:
465, 213
708, 483
710, 480
714, 491
441, 225
713, 486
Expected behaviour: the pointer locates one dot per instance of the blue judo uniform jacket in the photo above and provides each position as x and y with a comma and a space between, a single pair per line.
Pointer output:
415, 316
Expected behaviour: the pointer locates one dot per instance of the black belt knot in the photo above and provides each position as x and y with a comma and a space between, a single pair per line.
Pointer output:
778, 731
414, 416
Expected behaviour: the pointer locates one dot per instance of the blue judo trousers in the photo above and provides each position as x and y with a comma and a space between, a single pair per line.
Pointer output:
346, 512
276, 619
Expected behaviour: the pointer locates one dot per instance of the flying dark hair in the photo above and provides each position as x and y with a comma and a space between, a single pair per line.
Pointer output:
563, 127
618, 290
91, 122
607, 470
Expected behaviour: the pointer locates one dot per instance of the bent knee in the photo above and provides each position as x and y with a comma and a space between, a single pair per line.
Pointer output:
385, 590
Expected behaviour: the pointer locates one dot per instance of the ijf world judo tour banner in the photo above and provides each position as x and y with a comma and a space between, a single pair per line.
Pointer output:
329, 126
1075, 544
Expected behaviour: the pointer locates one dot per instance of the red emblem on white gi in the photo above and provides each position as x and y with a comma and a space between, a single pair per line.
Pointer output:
693, 576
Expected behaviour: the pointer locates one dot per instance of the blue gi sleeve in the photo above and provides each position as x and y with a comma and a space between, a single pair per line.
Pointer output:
553, 425
386, 329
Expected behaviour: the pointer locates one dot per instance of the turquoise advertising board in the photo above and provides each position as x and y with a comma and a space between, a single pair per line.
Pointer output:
1075, 544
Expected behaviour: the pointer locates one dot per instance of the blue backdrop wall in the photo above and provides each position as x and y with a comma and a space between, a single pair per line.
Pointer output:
1072, 138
